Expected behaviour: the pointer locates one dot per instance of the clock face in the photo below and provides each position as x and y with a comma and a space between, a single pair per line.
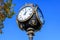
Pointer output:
25, 14
40, 16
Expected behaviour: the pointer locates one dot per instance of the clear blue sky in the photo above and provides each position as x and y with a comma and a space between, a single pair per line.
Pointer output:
49, 31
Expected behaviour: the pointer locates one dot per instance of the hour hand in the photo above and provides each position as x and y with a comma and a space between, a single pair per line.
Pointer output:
25, 12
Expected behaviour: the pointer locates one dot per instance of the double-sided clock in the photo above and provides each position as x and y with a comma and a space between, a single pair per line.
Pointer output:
27, 11
30, 19
30, 14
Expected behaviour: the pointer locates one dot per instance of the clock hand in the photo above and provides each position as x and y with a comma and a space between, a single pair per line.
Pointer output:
25, 12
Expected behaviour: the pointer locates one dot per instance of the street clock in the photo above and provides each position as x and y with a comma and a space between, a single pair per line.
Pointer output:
30, 19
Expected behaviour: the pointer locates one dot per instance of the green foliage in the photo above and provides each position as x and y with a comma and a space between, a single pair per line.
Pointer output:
9, 3
11, 14
10, 6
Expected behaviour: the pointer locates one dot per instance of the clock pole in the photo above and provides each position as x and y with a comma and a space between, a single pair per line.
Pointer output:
30, 37
30, 33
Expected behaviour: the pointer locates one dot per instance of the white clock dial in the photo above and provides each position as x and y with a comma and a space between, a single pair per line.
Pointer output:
25, 14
